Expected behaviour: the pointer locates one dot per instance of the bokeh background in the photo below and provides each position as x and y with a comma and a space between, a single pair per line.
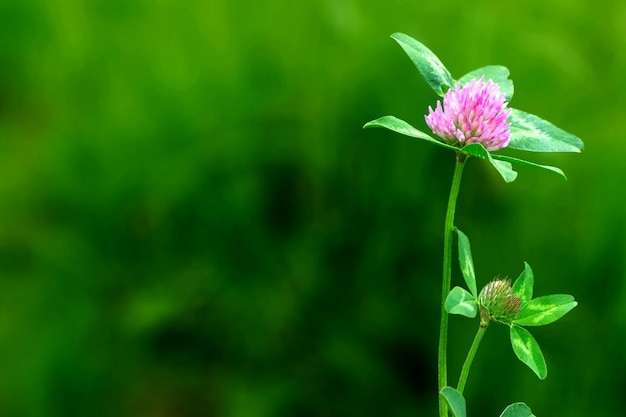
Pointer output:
193, 222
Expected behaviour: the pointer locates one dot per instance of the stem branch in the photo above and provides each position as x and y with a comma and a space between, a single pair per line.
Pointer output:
470, 357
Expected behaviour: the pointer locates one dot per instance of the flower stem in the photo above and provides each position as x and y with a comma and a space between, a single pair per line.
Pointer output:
445, 288
470, 357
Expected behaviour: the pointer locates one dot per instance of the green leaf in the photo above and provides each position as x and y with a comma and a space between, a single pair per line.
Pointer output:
467, 265
504, 168
523, 285
545, 310
402, 127
460, 301
431, 68
527, 350
497, 73
517, 410
529, 164
531, 133
455, 401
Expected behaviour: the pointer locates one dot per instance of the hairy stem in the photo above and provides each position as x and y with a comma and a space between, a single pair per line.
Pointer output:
445, 287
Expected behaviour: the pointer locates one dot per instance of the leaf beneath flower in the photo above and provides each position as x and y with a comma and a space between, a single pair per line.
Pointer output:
532, 133
402, 127
431, 68
497, 73
504, 168
527, 350
529, 164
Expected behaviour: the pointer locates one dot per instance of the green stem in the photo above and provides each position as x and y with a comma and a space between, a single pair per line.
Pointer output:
470, 357
445, 288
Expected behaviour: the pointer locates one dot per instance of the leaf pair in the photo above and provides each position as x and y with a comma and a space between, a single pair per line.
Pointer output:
460, 301
457, 405
528, 132
533, 312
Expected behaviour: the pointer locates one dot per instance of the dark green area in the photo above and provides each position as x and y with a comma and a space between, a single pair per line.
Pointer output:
193, 222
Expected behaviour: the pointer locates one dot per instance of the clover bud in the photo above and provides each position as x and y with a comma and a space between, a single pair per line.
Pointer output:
498, 302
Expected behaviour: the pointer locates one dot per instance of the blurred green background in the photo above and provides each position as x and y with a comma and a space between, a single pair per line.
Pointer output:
193, 222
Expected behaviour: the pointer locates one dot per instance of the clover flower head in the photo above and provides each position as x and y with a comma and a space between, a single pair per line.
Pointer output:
475, 112
498, 302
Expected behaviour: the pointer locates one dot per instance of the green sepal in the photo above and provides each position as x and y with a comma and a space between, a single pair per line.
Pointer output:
527, 350
455, 400
504, 168
402, 127
523, 162
497, 73
532, 133
431, 68
545, 310
461, 302
523, 285
517, 410
466, 262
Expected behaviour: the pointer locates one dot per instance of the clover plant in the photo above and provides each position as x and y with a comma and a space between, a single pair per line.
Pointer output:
474, 119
